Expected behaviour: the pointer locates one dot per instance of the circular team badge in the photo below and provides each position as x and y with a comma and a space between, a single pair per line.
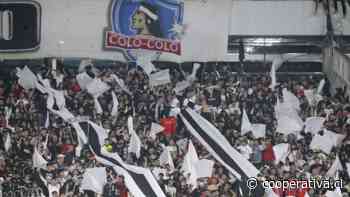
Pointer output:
139, 27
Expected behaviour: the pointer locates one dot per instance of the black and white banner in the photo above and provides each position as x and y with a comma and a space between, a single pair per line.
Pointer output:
138, 180
217, 145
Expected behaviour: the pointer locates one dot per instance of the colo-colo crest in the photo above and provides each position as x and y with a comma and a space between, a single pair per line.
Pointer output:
144, 25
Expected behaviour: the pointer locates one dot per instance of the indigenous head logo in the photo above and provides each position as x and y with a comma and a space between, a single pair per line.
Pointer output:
152, 25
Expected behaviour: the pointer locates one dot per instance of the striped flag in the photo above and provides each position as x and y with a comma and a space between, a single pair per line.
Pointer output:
140, 181
217, 145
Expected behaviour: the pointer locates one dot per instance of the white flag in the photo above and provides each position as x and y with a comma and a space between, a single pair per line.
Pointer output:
314, 124
246, 125
115, 104
204, 168
8, 142
94, 179
336, 166
288, 124
96, 88
276, 64
38, 160
310, 96
281, 152
121, 83
290, 99
160, 78
326, 141
190, 158
145, 62
98, 107
59, 97
259, 130
83, 80
8, 113
335, 193
192, 77
47, 121
155, 129
181, 86
130, 125
135, 144
165, 158
27, 79
320, 86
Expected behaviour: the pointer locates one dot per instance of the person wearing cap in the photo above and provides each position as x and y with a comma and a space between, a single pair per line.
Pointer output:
146, 20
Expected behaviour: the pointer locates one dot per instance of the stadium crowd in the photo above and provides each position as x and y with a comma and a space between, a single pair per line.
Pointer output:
221, 96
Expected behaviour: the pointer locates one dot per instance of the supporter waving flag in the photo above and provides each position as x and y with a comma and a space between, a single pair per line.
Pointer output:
217, 145
139, 181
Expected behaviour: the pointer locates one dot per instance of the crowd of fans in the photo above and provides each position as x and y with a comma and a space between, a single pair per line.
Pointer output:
222, 96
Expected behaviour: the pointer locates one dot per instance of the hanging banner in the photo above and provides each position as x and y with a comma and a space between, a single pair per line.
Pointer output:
149, 25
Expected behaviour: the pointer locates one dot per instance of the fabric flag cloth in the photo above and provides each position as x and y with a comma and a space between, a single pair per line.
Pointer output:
7, 142
320, 86
8, 113
246, 125
155, 129
121, 83
259, 130
336, 166
38, 160
181, 86
139, 181
192, 76
277, 62
135, 144
47, 121
191, 157
96, 88
290, 99
188, 166
166, 159
326, 141
217, 145
130, 125
145, 62
314, 124
310, 96
94, 179
160, 78
288, 125
281, 152
114, 111
59, 98
84, 80
169, 125
288, 119
335, 193
27, 79
204, 168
